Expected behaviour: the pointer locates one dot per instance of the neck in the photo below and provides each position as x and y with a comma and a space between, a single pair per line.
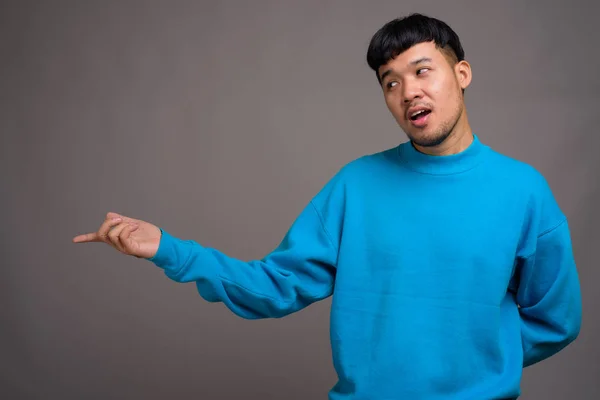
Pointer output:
458, 140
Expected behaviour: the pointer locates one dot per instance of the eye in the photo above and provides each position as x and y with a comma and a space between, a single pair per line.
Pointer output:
391, 84
421, 69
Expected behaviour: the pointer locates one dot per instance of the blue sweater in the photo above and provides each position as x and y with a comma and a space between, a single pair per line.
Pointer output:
448, 274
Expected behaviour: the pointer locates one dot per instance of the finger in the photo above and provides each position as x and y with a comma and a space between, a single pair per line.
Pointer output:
106, 226
88, 237
113, 235
111, 220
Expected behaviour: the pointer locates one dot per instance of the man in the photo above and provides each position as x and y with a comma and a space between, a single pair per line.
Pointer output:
450, 265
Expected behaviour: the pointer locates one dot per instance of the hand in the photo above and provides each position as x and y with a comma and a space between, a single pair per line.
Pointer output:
130, 236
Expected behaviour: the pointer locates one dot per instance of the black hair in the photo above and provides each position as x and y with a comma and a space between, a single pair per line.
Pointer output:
401, 34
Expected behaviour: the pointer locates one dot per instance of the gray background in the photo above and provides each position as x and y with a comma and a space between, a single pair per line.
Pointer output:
219, 121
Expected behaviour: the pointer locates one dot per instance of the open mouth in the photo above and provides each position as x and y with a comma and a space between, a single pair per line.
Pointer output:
419, 115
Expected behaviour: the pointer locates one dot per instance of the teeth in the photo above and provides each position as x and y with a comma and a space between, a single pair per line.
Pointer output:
417, 113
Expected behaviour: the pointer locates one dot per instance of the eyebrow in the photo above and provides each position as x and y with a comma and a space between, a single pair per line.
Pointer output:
414, 62
421, 60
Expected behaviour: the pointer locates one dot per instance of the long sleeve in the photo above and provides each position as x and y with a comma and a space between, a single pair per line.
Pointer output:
549, 293
299, 271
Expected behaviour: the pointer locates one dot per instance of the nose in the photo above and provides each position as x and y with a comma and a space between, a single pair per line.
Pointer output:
410, 91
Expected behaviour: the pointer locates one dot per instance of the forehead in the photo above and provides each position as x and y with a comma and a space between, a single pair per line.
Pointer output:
416, 52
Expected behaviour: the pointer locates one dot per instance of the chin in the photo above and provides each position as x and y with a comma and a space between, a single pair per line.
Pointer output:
424, 139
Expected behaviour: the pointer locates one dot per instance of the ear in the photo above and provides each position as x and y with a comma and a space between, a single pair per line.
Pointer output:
462, 69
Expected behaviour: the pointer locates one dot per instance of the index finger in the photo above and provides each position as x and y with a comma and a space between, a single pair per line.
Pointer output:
88, 237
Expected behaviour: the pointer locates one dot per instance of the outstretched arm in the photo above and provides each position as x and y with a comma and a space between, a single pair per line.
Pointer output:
300, 271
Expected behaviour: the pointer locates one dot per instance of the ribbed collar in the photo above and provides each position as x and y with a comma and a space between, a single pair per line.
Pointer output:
442, 165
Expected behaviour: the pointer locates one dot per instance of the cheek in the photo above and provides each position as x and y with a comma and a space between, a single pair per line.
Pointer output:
438, 90
444, 95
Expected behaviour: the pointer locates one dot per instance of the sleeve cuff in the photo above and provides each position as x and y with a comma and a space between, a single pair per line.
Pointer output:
172, 253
